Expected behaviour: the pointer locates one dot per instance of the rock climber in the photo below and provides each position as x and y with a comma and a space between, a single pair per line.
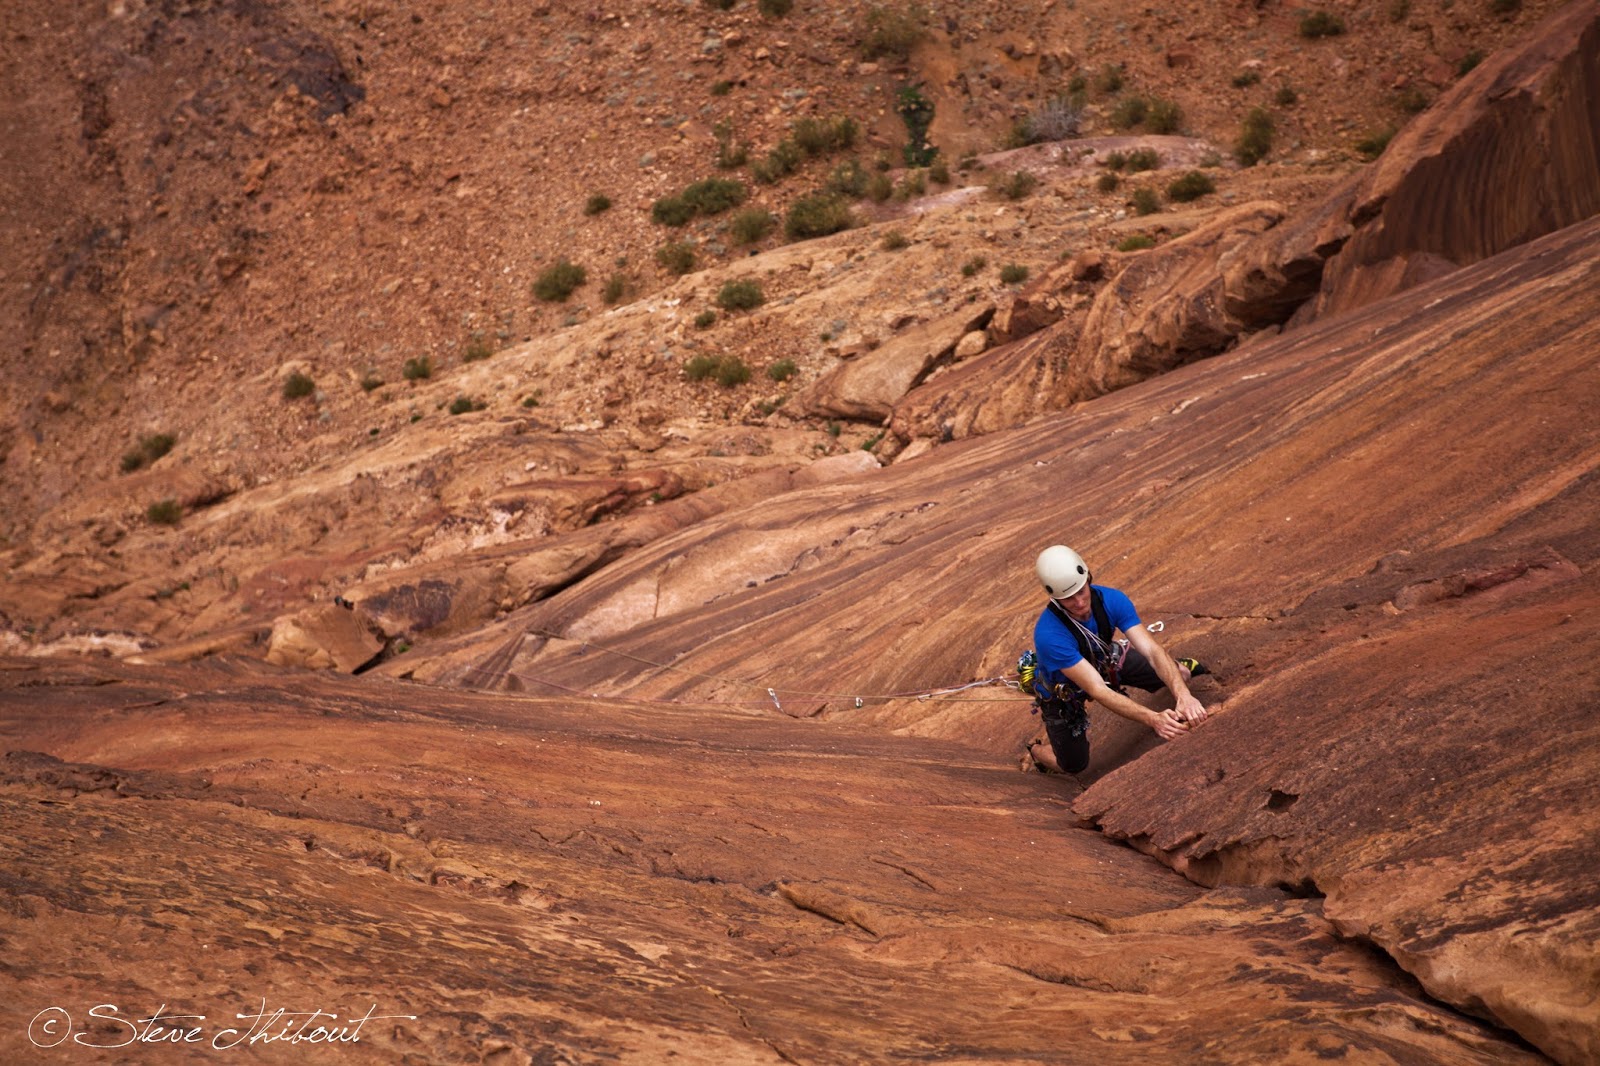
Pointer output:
1079, 659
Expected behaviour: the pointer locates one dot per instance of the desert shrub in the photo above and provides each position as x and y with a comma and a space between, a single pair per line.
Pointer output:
848, 178
1468, 62
298, 385
1057, 119
712, 196
1143, 159
775, 9
558, 281
971, 267
676, 257
1129, 112
1116, 160
782, 370
1255, 139
1164, 117
916, 111
1190, 186
725, 370
817, 215
461, 405
783, 159
1286, 97
1372, 145
721, 87
370, 380
894, 240
1316, 24
890, 32
740, 295
751, 224
913, 184
730, 155
1013, 274
597, 203
418, 369
879, 188
1110, 79
1137, 242
672, 210
1017, 185
151, 447
1145, 201
1412, 100
821, 136
476, 349
719, 5
1108, 183
1504, 8
939, 172
164, 512
616, 288
1246, 78
705, 319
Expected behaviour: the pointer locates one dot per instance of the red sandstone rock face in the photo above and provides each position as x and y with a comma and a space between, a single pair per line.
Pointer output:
1278, 508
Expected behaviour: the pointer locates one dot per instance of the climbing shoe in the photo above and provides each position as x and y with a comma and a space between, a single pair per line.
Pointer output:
1195, 667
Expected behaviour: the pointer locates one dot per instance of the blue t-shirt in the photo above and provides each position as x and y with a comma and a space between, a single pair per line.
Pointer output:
1055, 644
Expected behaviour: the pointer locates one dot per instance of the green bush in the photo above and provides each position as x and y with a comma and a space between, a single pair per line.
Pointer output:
166, 512
1129, 112
721, 87
672, 210
782, 370
1145, 202
726, 370
1246, 78
417, 369
1116, 160
298, 385
705, 320
916, 111
971, 267
1316, 24
477, 349
740, 295
712, 196
616, 288
1137, 242
150, 448
1013, 274
1143, 159
676, 257
817, 215
751, 224
891, 33
1372, 145
1468, 62
1164, 117
848, 178
1018, 185
1191, 186
939, 172
557, 282
879, 188
912, 185
1286, 97
461, 405
782, 160
1110, 79
597, 203
1255, 139
894, 240
1108, 183
370, 380
819, 136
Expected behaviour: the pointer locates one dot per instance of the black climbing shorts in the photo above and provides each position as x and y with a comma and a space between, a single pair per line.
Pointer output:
1067, 722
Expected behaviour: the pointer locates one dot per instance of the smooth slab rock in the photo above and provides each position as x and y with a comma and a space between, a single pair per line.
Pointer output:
503, 879
868, 386
1378, 530
329, 636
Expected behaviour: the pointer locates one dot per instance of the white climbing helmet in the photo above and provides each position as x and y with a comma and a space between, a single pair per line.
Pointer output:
1061, 570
